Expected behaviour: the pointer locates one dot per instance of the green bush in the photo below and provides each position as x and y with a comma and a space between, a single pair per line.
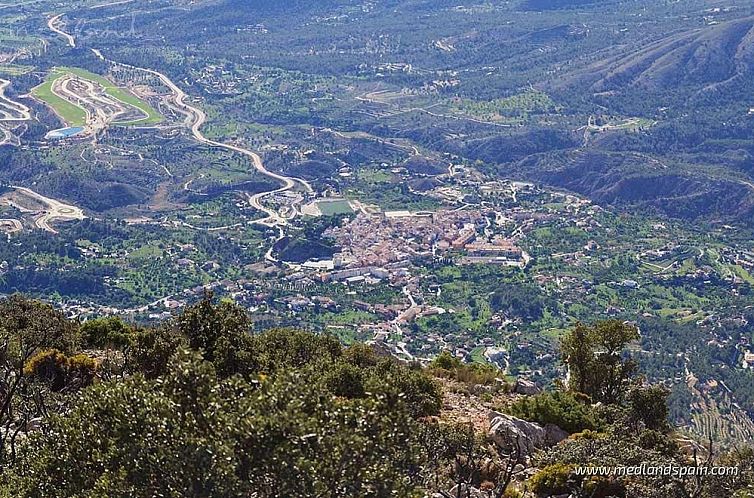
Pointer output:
194, 433
402, 383
48, 366
560, 408
602, 487
448, 366
513, 493
361, 355
55, 368
29, 326
278, 349
219, 333
551, 480
446, 361
82, 369
648, 406
110, 332
151, 351
345, 380
588, 435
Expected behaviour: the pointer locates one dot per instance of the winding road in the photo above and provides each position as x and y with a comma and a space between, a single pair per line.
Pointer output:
9, 109
10, 112
52, 23
55, 210
10, 225
196, 118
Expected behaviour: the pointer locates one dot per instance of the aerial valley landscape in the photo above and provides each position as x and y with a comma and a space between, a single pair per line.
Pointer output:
444, 182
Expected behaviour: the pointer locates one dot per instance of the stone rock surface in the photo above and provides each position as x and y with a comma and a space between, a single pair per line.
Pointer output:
526, 387
469, 491
554, 434
507, 431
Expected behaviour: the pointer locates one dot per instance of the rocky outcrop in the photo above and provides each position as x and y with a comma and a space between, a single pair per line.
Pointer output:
511, 432
465, 491
526, 387
554, 434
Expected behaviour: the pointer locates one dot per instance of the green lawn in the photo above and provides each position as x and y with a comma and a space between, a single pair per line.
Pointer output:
118, 93
148, 251
73, 115
374, 176
331, 208
477, 356
741, 272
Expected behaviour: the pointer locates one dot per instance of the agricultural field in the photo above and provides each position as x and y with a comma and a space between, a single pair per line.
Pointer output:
516, 109
15, 70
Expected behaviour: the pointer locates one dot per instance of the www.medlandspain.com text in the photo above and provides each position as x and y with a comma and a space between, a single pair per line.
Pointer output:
656, 470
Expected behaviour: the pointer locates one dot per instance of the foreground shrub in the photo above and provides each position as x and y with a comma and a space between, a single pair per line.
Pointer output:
551, 480
448, 366
60, 371
110, 332
192, 433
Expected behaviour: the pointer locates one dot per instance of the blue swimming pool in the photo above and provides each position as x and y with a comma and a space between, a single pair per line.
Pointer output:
64, 133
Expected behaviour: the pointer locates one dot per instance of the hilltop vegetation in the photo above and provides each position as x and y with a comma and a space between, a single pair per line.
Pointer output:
198, 406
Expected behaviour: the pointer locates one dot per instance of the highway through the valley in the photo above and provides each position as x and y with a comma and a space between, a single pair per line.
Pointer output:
11, 110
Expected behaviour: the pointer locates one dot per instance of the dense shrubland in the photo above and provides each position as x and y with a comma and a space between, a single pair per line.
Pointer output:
200, 406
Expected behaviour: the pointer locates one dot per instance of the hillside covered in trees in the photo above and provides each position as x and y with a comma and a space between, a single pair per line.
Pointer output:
198, 406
